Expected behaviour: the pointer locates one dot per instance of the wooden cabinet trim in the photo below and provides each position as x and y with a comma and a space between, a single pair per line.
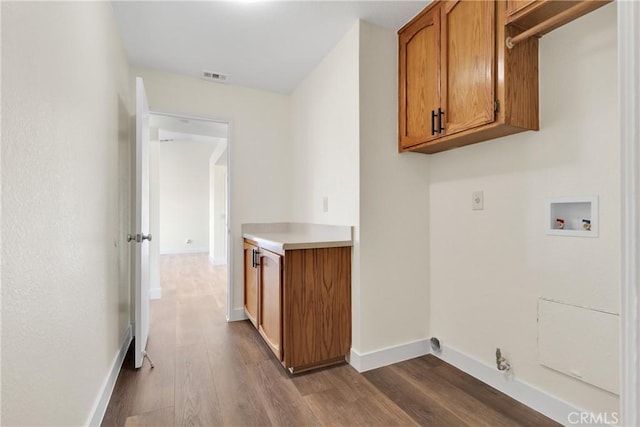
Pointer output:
515, 6
535, 12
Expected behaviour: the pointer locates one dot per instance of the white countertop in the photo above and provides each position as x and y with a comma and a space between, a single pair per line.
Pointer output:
282, 236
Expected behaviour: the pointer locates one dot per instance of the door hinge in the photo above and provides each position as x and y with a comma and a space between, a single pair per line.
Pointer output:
496, 106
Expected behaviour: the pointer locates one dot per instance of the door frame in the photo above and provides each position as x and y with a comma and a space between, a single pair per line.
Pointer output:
230, 245
629, 126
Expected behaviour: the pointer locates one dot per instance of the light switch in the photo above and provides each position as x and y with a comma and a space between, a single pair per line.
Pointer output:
325, 204
477, 200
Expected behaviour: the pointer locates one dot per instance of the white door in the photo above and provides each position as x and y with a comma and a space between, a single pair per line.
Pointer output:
142, 236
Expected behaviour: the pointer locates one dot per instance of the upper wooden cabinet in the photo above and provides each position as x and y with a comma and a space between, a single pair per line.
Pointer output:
458, 84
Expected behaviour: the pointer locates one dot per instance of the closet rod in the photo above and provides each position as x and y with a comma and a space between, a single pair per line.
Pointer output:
543, 27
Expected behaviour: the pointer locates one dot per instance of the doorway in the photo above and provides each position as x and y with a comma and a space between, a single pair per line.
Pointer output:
189, 201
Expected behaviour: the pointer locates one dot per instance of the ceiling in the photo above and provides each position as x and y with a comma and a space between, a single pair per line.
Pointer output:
177, 129
269, 45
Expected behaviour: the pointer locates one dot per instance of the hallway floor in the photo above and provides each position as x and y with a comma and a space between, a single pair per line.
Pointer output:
212, 373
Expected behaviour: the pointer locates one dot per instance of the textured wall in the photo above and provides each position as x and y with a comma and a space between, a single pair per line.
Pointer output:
65, 173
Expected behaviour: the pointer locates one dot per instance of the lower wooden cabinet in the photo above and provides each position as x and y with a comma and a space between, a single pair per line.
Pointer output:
303, 303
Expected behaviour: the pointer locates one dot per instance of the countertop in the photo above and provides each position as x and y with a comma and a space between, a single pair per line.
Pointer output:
279, 237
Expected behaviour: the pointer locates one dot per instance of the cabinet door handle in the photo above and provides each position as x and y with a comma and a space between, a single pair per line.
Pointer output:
433, 122
440, 120
253, 258
256, 258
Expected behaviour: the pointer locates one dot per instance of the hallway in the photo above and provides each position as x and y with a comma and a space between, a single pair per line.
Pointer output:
209, 372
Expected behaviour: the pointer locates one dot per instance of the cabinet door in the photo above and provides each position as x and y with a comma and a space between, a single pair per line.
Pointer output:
419, 79
251, 283
270, 300
468, 49
317, 306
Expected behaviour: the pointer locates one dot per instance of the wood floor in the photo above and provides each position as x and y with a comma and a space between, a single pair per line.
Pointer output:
212, 373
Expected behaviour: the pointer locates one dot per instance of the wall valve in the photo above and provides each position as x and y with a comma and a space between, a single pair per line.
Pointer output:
502, 363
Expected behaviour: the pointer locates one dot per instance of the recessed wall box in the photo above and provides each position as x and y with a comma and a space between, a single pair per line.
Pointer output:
572, 216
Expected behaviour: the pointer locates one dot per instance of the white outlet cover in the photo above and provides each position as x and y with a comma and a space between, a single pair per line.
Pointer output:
477, 200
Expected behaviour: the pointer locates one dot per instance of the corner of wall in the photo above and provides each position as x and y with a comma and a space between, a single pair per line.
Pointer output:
394, 209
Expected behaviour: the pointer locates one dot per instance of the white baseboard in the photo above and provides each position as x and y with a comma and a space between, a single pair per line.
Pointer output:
519, 390
217, 261
183, 251
387, 356
155, 293
100, 406
237, 314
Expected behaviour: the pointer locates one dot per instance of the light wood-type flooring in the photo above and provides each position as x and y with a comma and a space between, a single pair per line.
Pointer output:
212, 373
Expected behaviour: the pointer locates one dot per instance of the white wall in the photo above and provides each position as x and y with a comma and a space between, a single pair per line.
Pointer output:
65, 153
489, 267
184, 196
325, 138
394, 207
344, 146
259, 146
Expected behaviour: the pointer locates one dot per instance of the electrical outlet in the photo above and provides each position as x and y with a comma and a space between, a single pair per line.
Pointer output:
477, 200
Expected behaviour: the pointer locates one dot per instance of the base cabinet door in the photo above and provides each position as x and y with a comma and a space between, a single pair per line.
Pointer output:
270, 300
251, 282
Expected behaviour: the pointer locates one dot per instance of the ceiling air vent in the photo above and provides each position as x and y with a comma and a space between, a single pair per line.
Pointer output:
214, 77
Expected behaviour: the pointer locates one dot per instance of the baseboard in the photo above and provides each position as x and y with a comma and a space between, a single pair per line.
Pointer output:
100, 406
217, 261
183, 251
155, 293
237, 314
387, 356
533, 397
